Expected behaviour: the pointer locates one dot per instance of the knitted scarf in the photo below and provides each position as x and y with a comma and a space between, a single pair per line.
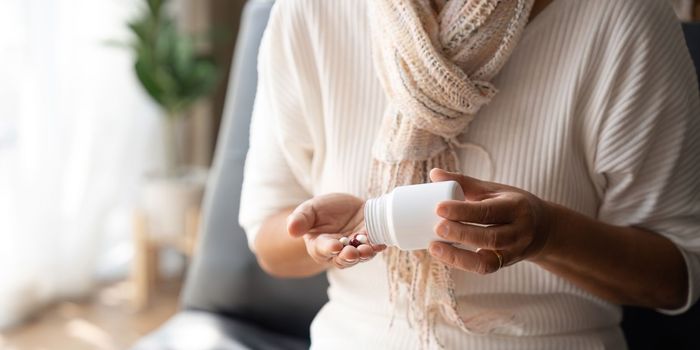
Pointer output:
434, 59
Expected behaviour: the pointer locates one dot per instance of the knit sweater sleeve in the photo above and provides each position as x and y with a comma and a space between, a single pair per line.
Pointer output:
647, 151
277, 169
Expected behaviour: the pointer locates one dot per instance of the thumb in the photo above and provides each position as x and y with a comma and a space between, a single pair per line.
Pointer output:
301, 220
469, 185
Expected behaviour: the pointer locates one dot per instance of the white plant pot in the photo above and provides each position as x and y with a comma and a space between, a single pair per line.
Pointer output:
166, 201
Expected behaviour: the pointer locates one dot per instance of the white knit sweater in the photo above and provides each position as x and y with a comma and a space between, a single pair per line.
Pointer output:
597, 111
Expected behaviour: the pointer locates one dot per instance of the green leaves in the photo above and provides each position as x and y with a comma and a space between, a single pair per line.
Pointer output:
167, 63
155, 5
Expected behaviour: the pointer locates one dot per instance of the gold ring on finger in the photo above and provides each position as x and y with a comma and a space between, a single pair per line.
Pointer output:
497, 254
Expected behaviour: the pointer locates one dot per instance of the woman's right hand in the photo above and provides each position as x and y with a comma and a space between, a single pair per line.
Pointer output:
322, 220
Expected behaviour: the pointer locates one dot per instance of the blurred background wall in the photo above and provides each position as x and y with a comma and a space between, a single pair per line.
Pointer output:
220, 17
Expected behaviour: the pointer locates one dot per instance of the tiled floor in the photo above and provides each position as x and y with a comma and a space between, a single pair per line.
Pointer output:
105, 321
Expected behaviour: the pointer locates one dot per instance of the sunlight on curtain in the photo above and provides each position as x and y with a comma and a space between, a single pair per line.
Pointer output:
76, 135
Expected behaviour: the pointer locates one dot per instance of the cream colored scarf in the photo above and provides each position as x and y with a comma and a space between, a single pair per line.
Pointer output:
434, 59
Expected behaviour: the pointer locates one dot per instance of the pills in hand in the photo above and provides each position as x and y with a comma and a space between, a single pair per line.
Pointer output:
362, 239
355, 241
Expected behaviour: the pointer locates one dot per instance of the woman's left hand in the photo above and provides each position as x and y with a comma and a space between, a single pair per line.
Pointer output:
507, 224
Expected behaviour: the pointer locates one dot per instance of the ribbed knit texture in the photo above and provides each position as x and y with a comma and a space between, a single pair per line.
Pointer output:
597, 111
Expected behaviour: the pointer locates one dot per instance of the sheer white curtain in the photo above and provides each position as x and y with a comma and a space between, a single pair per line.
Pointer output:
76, 135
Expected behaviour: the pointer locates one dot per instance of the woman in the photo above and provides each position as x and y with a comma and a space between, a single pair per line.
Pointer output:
587, 158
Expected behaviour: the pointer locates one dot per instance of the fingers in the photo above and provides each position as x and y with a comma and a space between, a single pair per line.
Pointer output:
470, 185
323, 247
326, 248
378, 248
490, 237
481, 262
350, 256
487, 203
302, 219
488, 211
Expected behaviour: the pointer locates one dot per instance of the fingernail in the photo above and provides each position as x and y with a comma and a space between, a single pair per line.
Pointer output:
442, 230
436, 250
350, 260
442, 211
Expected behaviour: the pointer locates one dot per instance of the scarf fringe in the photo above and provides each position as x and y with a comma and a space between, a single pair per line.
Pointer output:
434, 59
427, 282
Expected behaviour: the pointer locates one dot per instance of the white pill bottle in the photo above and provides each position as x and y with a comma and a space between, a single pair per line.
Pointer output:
406, 217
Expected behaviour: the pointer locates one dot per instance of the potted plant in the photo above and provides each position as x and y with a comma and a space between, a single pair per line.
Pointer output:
175, 74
